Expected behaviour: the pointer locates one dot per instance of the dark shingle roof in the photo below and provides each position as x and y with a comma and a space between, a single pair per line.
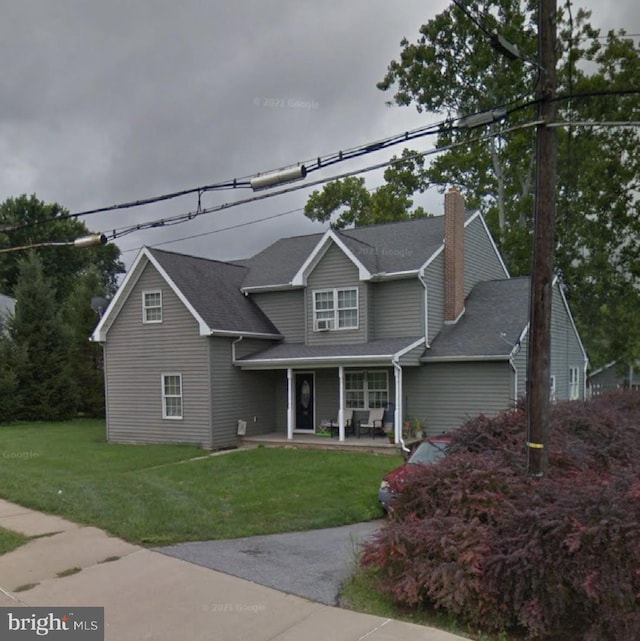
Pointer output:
386, 248
384, 347
278, 263
213, 290
496, 313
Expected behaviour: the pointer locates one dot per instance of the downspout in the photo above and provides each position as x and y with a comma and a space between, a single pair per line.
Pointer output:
233, 349
426, 309
290, 403
515, 380
341, 426
398, 412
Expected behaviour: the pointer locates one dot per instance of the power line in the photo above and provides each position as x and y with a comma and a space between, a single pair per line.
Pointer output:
221, 229
182, 218
312, 164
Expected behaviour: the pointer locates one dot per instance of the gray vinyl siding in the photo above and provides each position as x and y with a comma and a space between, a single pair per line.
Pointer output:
327, 395
565, 348
285, 309
445, 395
138, 354
238, 395
398, 308
335, 270
434, 277
280, 398
248, 346
413, 357
481, 262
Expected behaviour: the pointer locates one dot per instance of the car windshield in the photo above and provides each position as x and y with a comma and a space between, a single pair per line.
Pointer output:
429, 452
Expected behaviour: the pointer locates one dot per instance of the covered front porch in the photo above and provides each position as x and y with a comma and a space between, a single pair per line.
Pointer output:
331, 390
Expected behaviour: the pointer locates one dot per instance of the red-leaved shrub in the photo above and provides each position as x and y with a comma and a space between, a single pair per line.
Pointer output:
556, 557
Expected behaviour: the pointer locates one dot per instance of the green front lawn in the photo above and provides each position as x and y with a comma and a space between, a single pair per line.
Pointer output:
154, 494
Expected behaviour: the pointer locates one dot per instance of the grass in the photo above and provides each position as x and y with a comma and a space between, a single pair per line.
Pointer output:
68, 572
10, 540
156, 495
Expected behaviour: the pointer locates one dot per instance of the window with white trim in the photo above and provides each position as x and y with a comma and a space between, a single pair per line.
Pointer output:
574, 383
152, 306
366, 390
335, 309
354, 390
172, 396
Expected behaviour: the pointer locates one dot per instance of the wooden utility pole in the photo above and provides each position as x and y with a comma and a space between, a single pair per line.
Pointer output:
538, 379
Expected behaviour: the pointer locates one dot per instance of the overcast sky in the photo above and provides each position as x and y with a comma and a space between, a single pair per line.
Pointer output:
104, 102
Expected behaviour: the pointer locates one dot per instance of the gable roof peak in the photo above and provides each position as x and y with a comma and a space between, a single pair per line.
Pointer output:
154, 250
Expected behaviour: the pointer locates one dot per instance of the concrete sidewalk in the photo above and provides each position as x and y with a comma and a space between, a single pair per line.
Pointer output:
147, 595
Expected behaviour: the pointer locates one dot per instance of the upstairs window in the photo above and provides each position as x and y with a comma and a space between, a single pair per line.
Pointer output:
335, 309
152, 307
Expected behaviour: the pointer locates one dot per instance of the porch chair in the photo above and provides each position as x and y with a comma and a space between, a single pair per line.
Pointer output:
348, 424
373, 427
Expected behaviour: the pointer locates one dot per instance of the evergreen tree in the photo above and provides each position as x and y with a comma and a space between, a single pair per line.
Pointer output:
46, 389
85, 356
8, 380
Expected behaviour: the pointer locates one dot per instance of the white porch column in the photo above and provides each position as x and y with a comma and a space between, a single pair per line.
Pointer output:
397, 419
290, 403
341, 430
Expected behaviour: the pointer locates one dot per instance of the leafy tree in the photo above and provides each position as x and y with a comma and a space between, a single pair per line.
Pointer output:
26, 221
453, 70
358, 206
85, 357
45, 385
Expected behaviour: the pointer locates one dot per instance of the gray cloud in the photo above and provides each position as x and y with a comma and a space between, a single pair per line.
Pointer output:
104, 102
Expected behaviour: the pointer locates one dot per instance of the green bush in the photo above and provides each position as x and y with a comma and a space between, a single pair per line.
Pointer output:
556, 557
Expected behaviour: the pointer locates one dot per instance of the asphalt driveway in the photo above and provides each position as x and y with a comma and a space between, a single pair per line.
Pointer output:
310, 564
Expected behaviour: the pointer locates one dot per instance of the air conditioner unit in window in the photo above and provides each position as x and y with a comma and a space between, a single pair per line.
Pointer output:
323, 325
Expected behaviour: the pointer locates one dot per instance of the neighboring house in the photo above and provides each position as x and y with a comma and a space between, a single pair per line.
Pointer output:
419, 317
611, 376
7, 309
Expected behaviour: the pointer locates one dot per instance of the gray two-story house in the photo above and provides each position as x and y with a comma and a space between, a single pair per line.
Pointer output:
418, 317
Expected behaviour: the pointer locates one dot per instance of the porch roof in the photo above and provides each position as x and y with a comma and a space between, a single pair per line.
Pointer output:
283, 355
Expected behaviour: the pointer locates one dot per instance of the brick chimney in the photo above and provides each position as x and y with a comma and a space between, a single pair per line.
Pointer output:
453, 255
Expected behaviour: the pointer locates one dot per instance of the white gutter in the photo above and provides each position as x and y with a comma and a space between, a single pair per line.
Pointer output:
256, 289
462, 359
228, 332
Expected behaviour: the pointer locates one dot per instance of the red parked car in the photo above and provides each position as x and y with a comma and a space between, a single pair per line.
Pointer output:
428, 452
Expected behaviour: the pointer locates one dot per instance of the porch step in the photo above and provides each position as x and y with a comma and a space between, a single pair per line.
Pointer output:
310, 441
